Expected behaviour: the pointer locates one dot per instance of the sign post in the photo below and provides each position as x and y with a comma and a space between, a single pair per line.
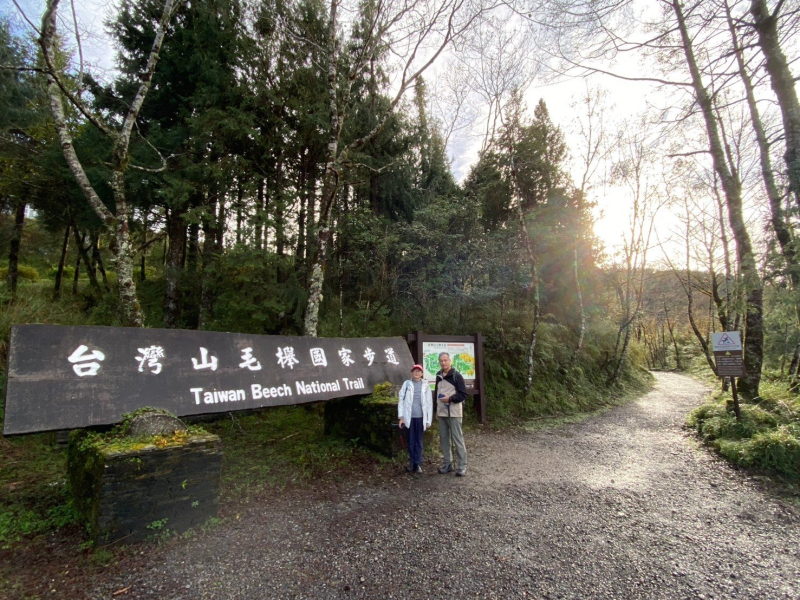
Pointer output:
728, 356
466, 353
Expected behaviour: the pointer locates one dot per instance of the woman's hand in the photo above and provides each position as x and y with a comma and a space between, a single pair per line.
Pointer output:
402, 423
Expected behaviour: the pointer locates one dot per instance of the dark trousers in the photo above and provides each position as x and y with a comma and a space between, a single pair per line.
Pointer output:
415, 432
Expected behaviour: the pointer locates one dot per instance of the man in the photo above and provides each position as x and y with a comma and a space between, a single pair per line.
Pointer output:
450, 393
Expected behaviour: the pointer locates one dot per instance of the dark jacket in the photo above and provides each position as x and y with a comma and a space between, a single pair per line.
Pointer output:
457, 380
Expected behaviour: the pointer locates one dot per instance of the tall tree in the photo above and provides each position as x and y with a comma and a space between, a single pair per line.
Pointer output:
783, 84
423, 31
732, 188
117, 219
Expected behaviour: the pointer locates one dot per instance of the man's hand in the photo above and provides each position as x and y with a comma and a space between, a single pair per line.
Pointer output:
402, 423
444, 399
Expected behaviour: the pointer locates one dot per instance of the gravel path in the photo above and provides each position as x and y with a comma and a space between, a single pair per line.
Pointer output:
623, 505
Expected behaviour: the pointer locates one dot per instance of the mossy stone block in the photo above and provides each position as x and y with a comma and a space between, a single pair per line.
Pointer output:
135, 489
369, 421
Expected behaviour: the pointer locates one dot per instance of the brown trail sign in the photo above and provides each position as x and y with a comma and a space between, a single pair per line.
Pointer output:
71, 377
728, 353
730, 362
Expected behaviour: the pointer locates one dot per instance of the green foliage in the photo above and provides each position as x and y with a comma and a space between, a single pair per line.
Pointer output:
23, 271
767, 438
275, 447
33, 494
250, 298
383, 390
67, 274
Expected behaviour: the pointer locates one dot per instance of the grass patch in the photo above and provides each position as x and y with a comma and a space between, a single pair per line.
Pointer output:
33, 493
767, 438
554, 401
278, 446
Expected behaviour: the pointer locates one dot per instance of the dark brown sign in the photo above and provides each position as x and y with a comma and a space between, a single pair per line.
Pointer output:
728, 353
71, 377
729, 363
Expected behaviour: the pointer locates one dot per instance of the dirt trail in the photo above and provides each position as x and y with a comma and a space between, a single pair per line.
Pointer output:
623, 505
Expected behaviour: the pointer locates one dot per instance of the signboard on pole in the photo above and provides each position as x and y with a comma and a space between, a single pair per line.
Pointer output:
728, 353
70, 377
462, 355
466, 353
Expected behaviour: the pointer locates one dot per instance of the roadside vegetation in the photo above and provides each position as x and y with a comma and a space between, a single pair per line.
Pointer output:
767, 438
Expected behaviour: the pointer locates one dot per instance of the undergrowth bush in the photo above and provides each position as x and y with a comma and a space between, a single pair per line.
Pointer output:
23, 271
767, 438
33, 494
557, 389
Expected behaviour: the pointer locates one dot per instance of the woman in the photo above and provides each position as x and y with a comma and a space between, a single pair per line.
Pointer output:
415, 410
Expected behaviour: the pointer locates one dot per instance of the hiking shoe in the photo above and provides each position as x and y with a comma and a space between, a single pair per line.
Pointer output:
418, 470
445, 469
461, 472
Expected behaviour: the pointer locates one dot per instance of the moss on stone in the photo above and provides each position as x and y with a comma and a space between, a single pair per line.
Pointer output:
106, 470
120, 484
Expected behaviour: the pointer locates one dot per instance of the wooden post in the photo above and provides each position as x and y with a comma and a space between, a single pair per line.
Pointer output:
480, 405
736, 408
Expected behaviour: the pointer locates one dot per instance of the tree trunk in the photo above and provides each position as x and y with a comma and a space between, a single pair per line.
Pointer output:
192, 252
76, 275
330, 183
219, 227
117, 223
61, 262
779, 224
625, 342
783, 84
176, 236
13, 254
210, 248
311, 207
793, 367
671, 327
97, 261
259, 220
582, 310
239, 212
526, 241
143, 265
374, 195
132, 315
317, 279
300, 254
84, 256
754, 330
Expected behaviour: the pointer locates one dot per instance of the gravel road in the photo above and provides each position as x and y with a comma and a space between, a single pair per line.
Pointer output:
622, 505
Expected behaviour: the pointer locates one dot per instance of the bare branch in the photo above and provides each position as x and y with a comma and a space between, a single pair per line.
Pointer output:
24, 16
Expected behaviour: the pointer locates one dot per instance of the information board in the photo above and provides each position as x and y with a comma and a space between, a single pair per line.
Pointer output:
466, 354
728, 353
70, 377
462, 355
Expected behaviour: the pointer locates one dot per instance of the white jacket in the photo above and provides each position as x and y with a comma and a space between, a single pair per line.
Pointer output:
406, 400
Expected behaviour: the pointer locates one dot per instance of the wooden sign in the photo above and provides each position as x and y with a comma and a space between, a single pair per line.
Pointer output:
728, 353
72, 377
